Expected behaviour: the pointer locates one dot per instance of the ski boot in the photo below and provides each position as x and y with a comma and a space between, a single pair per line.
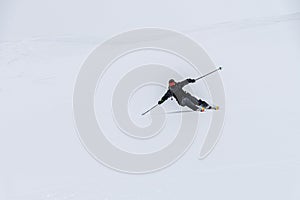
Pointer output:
201, 109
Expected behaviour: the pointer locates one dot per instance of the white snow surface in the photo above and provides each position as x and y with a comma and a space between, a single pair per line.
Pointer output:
42, 47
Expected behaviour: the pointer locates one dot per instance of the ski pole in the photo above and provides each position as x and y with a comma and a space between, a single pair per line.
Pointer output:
208, 73
149, 109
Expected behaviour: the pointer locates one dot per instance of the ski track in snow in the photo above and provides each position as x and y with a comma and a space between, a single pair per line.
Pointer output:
249, 23
25, 47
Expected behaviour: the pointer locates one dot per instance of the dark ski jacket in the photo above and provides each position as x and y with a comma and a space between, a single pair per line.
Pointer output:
177, 92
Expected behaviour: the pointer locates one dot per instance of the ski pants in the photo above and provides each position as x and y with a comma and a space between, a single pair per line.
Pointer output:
192, 102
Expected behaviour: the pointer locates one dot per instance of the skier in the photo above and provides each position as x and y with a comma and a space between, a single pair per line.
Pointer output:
184, 98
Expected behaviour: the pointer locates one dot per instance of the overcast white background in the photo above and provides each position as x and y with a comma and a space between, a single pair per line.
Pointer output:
42, 46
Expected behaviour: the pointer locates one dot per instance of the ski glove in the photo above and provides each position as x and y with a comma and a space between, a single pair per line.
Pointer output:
160, 102
191, 80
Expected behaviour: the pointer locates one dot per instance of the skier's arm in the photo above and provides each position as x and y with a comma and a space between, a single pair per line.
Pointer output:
167, 95
186, 81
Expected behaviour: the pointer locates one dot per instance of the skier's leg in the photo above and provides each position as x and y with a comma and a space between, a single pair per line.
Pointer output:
194, 100
188, 102
203, 104
198, 102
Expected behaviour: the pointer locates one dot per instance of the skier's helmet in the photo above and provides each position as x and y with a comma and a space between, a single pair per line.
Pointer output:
172, 82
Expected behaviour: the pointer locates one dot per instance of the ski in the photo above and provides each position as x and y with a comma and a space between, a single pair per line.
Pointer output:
214, 108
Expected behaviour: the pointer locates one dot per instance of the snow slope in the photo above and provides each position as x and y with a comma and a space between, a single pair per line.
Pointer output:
42, 48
